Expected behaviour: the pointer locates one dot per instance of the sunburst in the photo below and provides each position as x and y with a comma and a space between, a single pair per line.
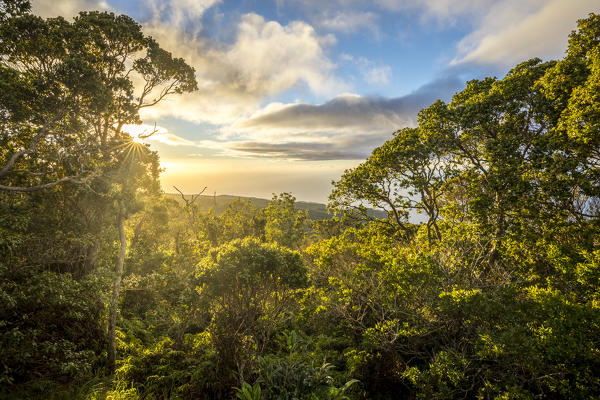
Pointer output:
133, 150
136, 148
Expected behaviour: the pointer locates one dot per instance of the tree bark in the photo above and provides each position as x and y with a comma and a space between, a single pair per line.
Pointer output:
114, 303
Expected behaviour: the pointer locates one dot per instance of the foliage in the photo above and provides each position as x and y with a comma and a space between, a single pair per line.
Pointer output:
170, 370
251, 288
481, 283
247, 392
405, 174
285, 224
50, 326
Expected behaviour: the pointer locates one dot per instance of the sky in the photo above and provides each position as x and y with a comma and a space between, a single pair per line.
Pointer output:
293, 92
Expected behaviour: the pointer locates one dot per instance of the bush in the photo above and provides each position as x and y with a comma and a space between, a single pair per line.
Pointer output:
50, 327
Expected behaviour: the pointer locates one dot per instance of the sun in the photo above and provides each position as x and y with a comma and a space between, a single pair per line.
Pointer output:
137, 139
137, 147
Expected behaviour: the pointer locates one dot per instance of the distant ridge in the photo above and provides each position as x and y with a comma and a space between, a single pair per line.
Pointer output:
221, 202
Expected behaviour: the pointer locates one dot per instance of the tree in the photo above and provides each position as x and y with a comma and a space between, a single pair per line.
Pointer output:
499, 142
50, 326
241, 219
250, 287
572, 86
284, 224
68, 91
405, 174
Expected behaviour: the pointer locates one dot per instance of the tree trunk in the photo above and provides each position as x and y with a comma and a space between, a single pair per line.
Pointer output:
429, 234
91, 258
498, 233
114, 302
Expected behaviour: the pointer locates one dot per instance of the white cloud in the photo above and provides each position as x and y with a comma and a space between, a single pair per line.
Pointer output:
272, 58
508, 35
265, 59
190, 9
373, 73
378, 75
351, 22
67, 9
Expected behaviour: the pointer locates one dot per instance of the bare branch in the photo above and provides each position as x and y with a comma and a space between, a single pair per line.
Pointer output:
163, 93
144, 136
73, 179
189, 202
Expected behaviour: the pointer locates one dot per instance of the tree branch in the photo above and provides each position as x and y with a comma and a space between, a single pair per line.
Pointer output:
24, 189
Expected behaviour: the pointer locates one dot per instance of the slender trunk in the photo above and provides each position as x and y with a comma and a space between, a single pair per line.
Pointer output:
438, 233
397, 216
429, 234
434, 214
91, 258
498, 232
114, 303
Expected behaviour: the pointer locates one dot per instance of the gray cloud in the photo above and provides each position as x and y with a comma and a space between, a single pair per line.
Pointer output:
355, 113
347, 127
295, 151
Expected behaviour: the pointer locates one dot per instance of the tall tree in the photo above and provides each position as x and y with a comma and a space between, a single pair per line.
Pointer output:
68, 90
573, 87
496, 137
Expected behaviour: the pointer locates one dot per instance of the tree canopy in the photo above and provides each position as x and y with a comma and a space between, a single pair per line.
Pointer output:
482, 282
68, 89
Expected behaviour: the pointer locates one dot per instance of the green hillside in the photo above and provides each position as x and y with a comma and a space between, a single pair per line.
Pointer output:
219, 204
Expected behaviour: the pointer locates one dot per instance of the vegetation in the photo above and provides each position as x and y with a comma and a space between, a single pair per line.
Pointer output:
110, 289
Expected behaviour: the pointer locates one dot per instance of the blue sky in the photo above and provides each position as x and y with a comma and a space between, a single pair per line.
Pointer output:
292, 92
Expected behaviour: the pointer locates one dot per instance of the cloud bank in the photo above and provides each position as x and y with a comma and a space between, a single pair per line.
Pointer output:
346, 127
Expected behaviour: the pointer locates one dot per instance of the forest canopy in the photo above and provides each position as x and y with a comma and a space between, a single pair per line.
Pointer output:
110, 289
